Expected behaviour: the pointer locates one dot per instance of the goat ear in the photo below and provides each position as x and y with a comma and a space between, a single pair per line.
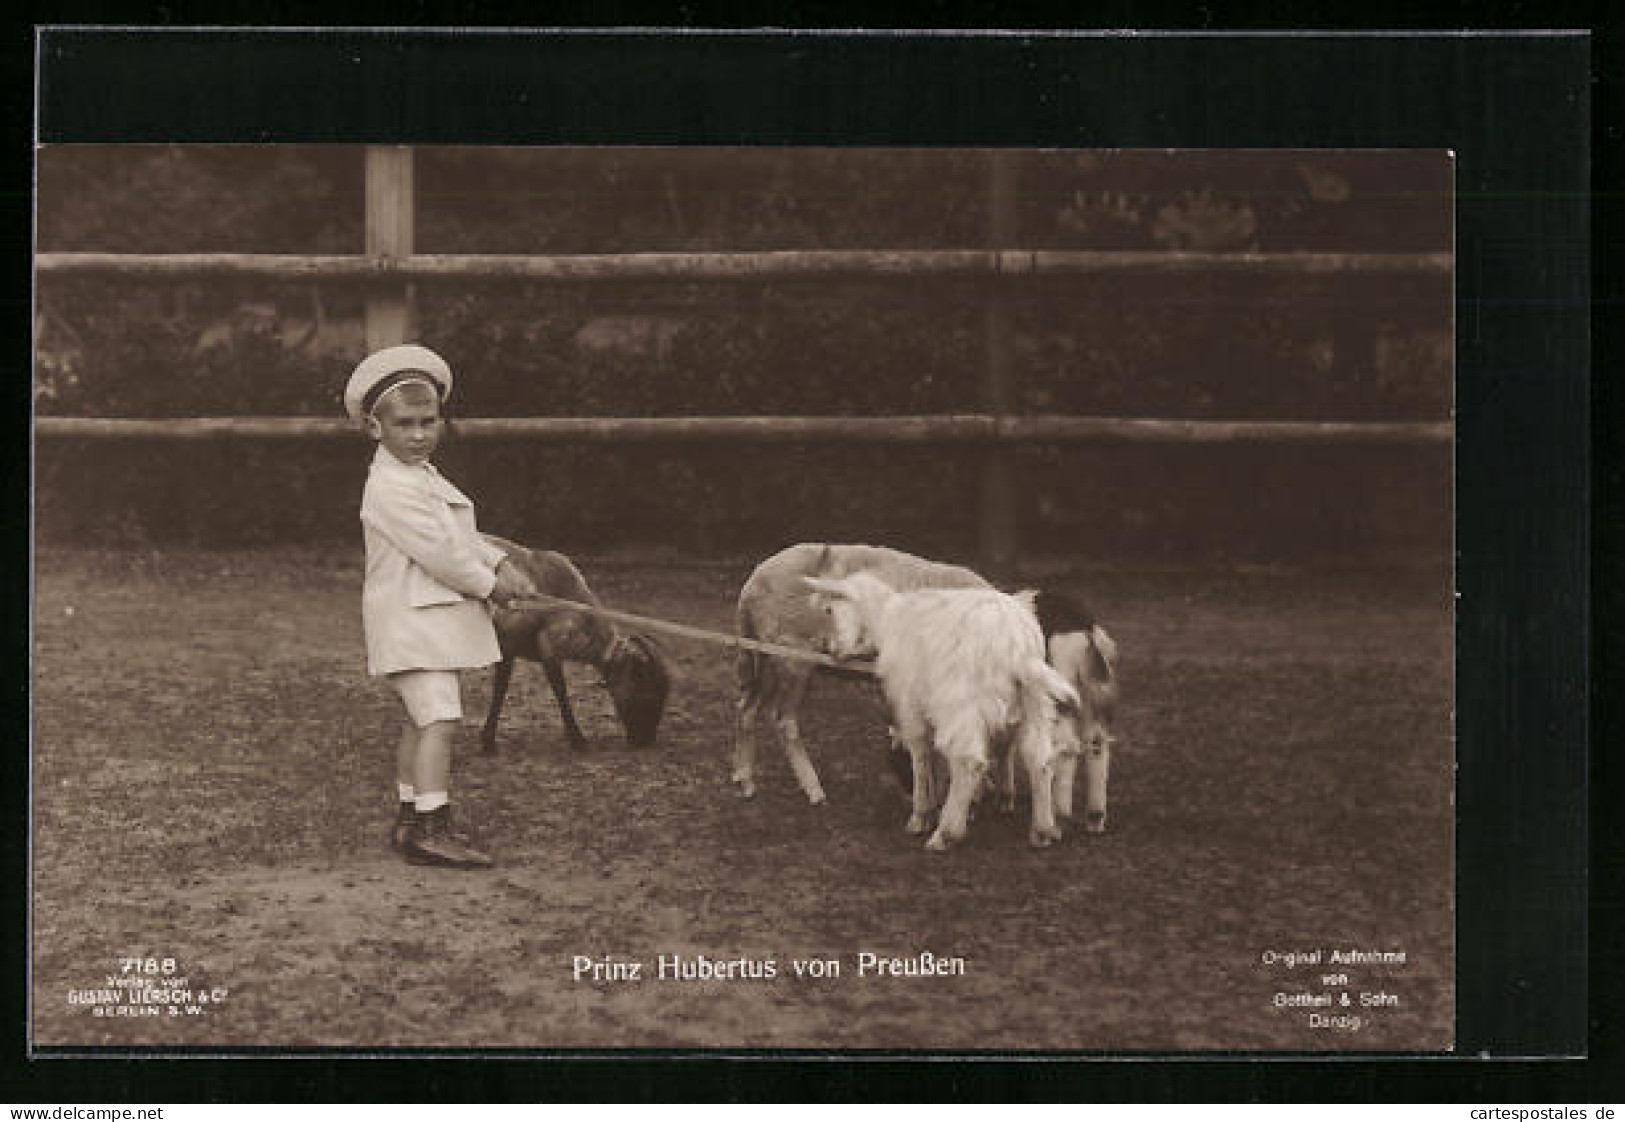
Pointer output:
653, 656
826, 586
647, 647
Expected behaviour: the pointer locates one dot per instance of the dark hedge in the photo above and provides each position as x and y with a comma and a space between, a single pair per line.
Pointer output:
1166, 504
1347, 349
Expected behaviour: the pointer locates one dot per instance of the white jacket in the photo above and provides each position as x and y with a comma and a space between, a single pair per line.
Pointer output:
428, 573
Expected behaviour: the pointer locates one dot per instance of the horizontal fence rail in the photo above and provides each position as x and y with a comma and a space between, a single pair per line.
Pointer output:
736, 266
390, 264
944, 428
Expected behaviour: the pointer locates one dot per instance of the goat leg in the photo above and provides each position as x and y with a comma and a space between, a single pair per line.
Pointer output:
744, 761
967, 775
555, 678
1006, 783
923, 800
1038, 756
790, 687
499, 691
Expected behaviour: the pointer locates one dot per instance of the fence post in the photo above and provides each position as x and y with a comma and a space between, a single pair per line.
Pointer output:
997, 512
389, 200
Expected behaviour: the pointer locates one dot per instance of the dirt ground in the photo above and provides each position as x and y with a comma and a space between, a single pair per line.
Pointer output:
213, 789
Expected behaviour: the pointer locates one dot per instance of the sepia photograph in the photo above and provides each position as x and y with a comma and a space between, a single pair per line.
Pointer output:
720, 599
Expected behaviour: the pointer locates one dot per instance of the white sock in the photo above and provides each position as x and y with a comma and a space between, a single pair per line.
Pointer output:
406, 792
430, 800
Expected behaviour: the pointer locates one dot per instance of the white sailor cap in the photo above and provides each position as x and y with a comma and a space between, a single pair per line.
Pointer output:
383, 370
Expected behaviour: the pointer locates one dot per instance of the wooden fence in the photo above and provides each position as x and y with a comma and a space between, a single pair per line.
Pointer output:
389, 268
762, 265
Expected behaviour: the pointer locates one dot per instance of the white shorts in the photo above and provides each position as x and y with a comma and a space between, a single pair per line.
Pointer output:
429, 695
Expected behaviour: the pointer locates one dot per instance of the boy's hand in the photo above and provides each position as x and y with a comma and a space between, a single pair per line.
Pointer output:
512, 584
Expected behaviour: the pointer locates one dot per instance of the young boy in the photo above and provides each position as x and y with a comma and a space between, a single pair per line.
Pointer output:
428, 577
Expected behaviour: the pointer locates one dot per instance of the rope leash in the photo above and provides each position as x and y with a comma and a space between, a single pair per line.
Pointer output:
778, 650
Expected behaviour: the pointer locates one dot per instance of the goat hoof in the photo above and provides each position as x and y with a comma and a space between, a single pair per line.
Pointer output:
917, 825
747, 789
937, 844
1039, 840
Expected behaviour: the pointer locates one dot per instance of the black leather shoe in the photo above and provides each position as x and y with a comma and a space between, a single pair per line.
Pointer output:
432, 840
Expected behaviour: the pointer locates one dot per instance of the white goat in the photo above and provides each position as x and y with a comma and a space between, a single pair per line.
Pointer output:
963, 671
774, 605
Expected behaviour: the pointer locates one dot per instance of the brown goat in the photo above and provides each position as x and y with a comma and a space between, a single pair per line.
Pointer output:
634, 669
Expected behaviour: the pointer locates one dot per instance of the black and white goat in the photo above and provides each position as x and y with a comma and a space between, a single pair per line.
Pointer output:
634, 670
1084, 655
964, 673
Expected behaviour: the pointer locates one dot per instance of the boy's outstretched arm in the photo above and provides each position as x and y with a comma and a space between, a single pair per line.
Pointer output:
420, 527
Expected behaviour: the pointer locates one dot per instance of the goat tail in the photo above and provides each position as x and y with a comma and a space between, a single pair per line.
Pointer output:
1099, 678
1039, 677
1106, 649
